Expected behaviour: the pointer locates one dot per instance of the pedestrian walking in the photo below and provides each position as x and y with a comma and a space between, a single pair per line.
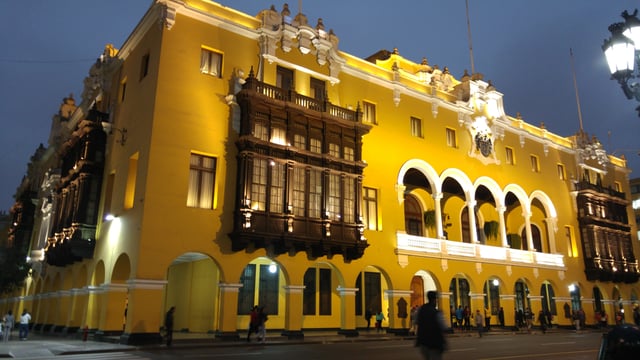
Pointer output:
430, 337
168, 325
479, 319
9, 323
379, 318
262, 328
25, 318
487, 319
253, 322
542, 319
367, 316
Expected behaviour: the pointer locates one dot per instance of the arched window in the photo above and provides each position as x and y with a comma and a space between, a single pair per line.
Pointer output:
492, 295
548, 303
459, 289
522, 296
412, 216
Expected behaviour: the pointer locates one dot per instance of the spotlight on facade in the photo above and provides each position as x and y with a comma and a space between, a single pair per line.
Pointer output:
273, 268
572, 288
109, 217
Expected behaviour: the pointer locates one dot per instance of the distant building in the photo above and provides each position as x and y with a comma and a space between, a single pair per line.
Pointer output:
219, 160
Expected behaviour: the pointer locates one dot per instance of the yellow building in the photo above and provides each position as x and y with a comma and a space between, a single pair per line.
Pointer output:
219, 161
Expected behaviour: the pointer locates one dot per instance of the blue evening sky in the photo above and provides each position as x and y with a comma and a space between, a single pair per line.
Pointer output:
521, 46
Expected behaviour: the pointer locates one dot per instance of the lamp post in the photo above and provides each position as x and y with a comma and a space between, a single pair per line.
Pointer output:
622, 51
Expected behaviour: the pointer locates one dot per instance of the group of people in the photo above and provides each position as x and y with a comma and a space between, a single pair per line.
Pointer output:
379, 316
257, 323
9, 322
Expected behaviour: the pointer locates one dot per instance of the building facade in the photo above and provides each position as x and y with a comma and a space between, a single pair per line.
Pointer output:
219, 160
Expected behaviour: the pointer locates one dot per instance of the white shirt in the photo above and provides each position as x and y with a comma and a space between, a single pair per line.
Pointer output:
24, 319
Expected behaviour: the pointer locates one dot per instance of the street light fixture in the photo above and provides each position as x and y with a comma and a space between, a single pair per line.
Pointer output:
621, 51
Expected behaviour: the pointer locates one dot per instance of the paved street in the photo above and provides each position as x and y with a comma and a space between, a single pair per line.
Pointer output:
498, 345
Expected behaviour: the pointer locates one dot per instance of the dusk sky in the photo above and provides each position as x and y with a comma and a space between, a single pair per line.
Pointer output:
523, 47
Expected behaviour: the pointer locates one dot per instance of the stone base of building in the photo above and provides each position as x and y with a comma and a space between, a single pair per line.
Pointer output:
348, 333
227, 335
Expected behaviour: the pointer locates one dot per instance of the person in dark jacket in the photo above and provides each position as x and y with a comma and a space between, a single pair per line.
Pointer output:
431, 329
168, 324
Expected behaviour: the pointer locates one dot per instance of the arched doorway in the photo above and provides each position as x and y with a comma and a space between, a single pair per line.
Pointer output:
522, 296
548, 295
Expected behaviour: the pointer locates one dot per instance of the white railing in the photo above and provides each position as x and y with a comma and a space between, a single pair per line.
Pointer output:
429, 247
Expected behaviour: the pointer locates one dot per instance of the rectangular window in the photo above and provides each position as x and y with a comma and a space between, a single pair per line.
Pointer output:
315, 146
276, 191
144, 66
561, 173
315, 193
617, 186
284, 78
268, 289
509, 156
300, 142
317, 89
334, 197
572, 248
309, 292
370, 208
348, 153
334, 150
259, 185
132, 174
349, 200
416, 127
451, 138
246, 293
123, 89
278, 136
535, 166
369, 113
202, 176
325, 291
299, 191
260, 131
211, 62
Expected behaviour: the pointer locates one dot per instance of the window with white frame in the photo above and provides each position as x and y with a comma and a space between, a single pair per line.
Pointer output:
333, 208
348, 153
298, 193
315, 145
300, 142
334, 150
315, 193
211, 62
276, 190
202, 177
260, 131
370, 208
348, 213
259, 184
278, 135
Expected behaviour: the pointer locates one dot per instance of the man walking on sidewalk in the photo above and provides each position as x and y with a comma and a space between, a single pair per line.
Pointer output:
24, 325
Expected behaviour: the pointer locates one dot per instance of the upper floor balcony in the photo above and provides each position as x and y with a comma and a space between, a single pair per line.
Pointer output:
419, 246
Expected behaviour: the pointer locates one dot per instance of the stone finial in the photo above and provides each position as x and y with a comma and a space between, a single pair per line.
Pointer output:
465, 76
519, 116
424, 61
68, 106
320, 25
542, 125
285, 10
395, 51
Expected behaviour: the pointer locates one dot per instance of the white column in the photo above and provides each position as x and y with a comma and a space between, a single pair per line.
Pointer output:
471, 206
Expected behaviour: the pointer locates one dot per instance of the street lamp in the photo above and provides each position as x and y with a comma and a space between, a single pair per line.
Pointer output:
621, 51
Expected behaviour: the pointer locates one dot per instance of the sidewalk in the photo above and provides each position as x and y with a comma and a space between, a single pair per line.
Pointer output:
40, 345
